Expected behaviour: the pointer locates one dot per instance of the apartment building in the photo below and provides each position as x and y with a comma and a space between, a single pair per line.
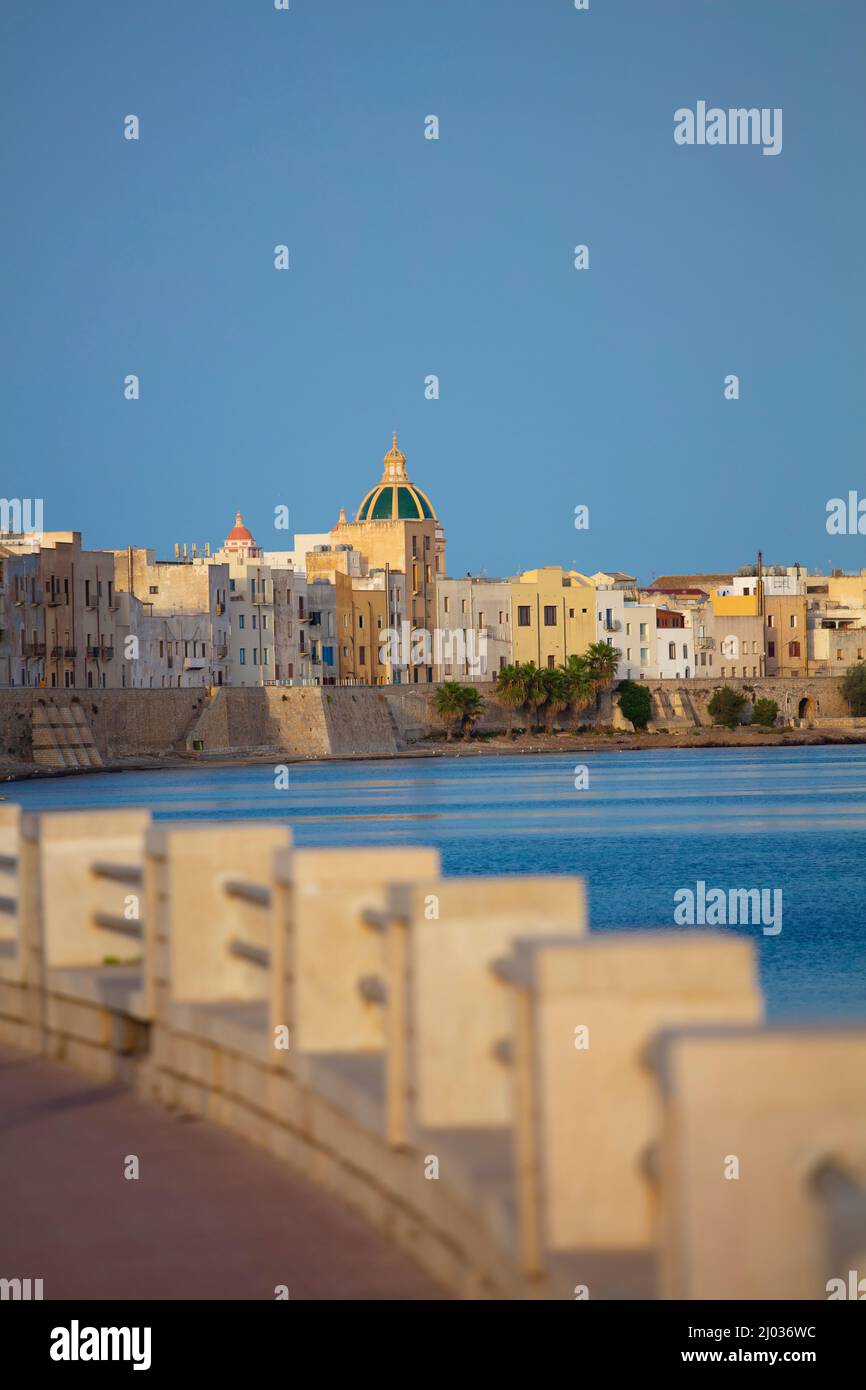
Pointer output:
473, 628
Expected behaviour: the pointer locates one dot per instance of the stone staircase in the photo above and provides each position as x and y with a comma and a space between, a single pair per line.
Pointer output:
62, 736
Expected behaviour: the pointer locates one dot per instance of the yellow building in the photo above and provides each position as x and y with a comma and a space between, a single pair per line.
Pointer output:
396, 529
362, 616
785, 634
553, 615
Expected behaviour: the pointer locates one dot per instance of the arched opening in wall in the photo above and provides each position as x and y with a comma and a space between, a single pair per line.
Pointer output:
806, 708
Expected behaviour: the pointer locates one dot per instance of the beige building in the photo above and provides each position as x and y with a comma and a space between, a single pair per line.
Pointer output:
177, 613
250, 607
65, 631
473, 628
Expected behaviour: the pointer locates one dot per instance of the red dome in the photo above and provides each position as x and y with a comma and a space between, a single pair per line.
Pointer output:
239, 532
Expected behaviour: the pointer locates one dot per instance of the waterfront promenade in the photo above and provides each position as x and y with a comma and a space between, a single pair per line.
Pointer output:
524, 1108
209, 1216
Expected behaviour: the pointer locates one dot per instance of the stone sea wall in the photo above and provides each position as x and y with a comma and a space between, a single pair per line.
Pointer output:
80, 729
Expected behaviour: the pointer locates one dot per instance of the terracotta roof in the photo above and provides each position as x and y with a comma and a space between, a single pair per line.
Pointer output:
679, 582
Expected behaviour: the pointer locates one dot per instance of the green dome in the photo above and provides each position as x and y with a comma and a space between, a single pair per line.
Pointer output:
389, 502
395, 498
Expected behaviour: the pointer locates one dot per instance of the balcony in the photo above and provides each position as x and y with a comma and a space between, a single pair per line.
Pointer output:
91, 653
194, 663
612, 625
70, 652
52, 599
33, 650
222, 653
704, 644
56, 653
106, 653
220, 609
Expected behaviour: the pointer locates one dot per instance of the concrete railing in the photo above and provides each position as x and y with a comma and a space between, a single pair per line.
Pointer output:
530, 1109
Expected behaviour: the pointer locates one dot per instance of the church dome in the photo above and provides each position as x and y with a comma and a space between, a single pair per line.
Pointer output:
240, 541
239, 532
395, 498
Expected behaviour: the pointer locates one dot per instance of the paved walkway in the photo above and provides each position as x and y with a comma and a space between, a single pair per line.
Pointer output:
209, 1217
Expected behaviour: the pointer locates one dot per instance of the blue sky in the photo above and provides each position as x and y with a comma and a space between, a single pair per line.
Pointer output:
455, 257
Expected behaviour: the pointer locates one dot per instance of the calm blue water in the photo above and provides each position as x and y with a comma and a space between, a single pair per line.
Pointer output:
648, 824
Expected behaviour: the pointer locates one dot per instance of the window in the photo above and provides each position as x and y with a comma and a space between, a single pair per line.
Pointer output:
264, 620
550, 615
523, 615
571, 612
754, 649
241, 621
463, 605
231, 586
643, 631
255, 620
447, 605
628, 629
771, 649
414, 546
255, 657
243, 656
685, 651
793, 620
360, 620
793, 648
672, 651
362, 655
644, 656
265, 656
551, 662
480, 619
771, 621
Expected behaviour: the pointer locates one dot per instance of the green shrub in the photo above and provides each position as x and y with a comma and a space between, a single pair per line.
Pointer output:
854, 689
726, 706
764, 712
635, 702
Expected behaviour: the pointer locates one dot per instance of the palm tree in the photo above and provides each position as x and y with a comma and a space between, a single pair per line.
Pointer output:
602, 661
536, 690
449, 705
578, 683
471, 709
511, 690
556, 685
